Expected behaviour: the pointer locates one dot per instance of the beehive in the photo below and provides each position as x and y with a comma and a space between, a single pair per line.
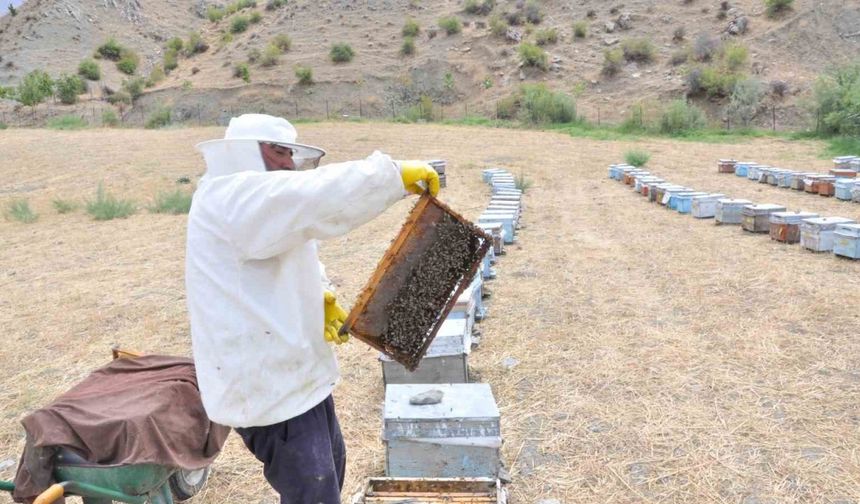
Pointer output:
458, 437
705, 207
672, 191
826, 185
846, 241
488, 173
446, 360
785, 226
756, 218
843, 162
726, 166
742, 168
811, 183
506, 218
495, 229
431, 491
843, 188
784, 179
684, 201
817, 234
729, 210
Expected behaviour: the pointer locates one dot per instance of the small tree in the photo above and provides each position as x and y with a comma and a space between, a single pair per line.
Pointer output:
12, 10
35, 87
838, 100
68, 88
90, 70
745, 101
341, 53
128, 62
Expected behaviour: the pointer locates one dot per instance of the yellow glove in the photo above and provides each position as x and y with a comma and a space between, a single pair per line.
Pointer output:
414, 172
334, 317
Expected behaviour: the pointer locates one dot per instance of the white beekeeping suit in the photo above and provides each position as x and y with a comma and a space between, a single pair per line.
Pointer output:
255, 297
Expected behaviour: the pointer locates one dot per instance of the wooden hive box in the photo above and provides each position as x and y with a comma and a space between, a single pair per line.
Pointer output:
785, 226
756, 218
431, 491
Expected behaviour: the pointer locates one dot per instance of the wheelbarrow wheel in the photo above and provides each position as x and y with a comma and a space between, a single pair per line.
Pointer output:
185, 484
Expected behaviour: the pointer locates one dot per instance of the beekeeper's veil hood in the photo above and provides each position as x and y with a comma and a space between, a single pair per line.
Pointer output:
240, 149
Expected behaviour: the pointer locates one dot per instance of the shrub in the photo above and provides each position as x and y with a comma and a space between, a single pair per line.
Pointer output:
679, 57
282, 42
3, 126
214, 14
774, 7
635, 123
507, 108
735, 56
195, 45
239, 24
121, 96
408, 46
64, 206
89, 70
134, 87
498, 25
410, 28
638, 49
612, 60
717, 82
533, 56
19, 210
128, 62
175, 203
580, 29
341, 52
68, 88
532, 12
171, 60
704, 47
110, 50
7, 93
679, 34
522, 183
35, 87
270, 55
546, 36
515, 18
541, 106
175, 44
255, 18
109, 118
778, 87
107, 207
159, 118
451, 25
241, 71
155, 76
275, 4
636, 158
681, 117
745, 101
305, 75
67, 122
482, 7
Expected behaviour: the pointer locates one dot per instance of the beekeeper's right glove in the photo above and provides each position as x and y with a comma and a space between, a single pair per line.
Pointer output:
414, 172
334, 317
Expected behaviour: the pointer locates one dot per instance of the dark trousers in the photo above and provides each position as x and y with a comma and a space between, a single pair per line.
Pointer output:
304, 458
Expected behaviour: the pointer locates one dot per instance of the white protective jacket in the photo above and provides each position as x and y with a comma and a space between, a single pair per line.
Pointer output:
255, 298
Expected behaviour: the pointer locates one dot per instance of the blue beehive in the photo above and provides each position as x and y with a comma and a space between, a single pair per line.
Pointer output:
488, 173
742, 168
844, 186
846, 241
684, 201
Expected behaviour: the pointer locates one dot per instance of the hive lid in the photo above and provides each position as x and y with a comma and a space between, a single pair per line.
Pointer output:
828, 222
466, 410
767, 207
791, 217
848, 229
730, 201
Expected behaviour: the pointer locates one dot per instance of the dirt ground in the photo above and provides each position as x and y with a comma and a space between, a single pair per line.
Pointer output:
659, 358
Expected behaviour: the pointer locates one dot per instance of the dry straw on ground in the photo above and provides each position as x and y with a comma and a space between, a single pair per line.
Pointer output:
661, 358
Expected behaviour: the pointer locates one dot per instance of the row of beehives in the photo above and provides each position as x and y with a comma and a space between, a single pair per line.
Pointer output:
426, 445
820, 234
841, 182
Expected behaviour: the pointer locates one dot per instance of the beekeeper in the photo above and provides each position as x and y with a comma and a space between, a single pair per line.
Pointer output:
261, 315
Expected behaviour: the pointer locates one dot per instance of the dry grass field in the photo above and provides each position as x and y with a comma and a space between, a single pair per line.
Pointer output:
660, 358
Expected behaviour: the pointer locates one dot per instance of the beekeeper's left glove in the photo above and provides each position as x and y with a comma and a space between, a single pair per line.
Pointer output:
413, 172
334, 317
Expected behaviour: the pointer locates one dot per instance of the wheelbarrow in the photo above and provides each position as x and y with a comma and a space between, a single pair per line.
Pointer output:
131, 483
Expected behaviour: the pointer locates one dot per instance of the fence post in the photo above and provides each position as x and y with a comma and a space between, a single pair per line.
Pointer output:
598, 116
360, 111
326, 110
818, 122
199, 119
773, 115
296, 103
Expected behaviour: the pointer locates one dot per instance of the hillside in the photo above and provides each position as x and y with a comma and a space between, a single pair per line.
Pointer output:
468, 71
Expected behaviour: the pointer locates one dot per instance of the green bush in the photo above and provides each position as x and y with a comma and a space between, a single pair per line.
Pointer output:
241, 70
422, 111
717, 82
239, 24
283, 42
745, 101
509, 107
451, 25
532, 12
341, 53
546, 36
171, 60
704, 47
539, 105
305, 75
107, 207
7, 92
3, 126
109, 118
121, 96
255, 18
681, 117
408, 46
580, 29
275, 4
134, 87
635, 123
35, 87
533, 56
127, 63
158, 119
66, 122
176, 202
270, 55
110, 50
155, 76
19, 210
89, 70
498, 25
837, 97
214, 14
195, 45
636, 158
612, 60
774, 7
638, 49
410, 28
176, 44
735, 56
482, 7
68, 88
64, 206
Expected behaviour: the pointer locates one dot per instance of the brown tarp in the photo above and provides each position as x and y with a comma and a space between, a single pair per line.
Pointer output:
140, 410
